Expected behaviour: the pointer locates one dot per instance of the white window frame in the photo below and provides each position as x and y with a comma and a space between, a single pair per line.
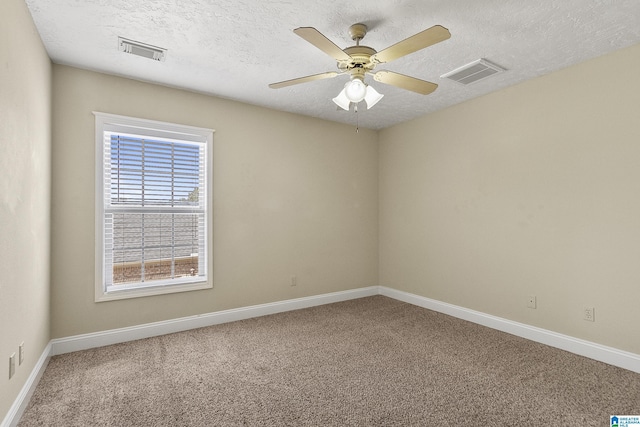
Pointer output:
105, 122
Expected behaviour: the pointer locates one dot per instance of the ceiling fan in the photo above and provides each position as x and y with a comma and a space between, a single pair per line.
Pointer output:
358, 61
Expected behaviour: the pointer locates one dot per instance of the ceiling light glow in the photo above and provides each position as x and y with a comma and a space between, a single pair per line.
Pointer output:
355, 91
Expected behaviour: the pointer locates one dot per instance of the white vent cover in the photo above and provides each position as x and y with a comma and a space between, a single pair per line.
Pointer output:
473, 71
141, 49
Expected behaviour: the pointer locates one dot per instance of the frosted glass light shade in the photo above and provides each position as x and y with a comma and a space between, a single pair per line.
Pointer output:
355, 90
372, 97
342, 101
363, 91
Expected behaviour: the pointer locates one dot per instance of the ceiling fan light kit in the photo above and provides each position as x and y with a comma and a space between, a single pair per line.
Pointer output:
358, 61
355, 91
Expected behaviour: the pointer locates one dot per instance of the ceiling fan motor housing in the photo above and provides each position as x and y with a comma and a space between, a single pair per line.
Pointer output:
360, 62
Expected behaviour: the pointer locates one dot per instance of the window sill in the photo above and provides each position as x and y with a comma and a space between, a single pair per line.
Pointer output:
150, 291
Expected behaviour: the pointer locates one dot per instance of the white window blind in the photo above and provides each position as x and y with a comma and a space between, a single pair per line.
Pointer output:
154, 206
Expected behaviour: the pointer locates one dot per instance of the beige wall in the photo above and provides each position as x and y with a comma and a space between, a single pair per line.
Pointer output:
533, 190
292, 196
25, 117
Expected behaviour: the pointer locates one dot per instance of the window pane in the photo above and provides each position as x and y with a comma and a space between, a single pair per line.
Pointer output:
148, 172
148, 247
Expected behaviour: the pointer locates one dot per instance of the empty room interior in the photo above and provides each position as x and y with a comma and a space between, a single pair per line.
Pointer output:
510, 202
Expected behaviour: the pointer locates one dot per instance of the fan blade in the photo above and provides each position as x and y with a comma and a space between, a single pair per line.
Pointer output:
317, 39
426, 38
405, 82
327, 75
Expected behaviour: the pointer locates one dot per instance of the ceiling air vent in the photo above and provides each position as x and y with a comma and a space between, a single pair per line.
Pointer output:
141, 49
473, 71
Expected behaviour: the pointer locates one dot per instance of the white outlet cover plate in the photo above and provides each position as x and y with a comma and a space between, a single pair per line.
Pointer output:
589, 314
12, 365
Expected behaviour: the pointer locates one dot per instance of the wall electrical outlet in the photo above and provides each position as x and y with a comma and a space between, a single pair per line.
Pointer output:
294, 281
531, 301
589, 314
12, 365
21, 353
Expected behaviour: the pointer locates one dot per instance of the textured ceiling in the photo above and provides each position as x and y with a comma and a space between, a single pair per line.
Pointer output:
235, 48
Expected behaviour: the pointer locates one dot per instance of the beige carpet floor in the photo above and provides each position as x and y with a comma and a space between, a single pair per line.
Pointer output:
367, 362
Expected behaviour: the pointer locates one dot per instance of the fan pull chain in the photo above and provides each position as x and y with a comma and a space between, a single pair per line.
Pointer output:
355, 109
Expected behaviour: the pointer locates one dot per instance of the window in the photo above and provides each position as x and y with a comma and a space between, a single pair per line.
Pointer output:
152, 205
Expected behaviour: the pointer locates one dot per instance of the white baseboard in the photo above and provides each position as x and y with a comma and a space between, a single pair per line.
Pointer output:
20, 404
578, 346
610, 355
57, 346
115, 336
